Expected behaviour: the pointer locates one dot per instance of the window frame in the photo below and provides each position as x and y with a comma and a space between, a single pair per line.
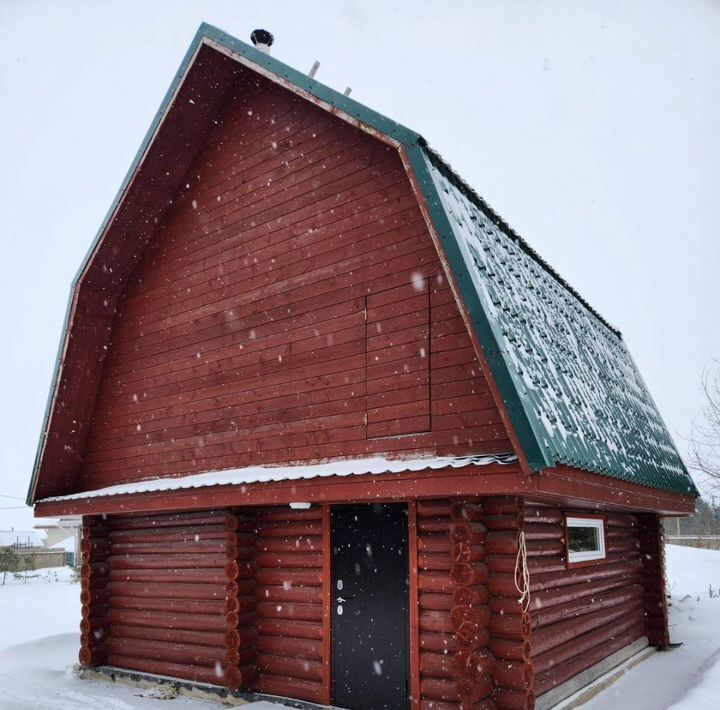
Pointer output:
581, 559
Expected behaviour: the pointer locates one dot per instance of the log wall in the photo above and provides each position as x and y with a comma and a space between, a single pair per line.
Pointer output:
510, 622
436, 638
652, 554
289, 592
583, 614
180, 596
291, 306
95, 549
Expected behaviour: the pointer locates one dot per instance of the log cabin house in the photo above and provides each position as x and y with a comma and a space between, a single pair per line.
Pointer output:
336, 432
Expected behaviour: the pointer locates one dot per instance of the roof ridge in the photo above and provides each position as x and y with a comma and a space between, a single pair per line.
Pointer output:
476, 198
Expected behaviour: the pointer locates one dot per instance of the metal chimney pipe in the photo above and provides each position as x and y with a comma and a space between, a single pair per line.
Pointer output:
262, 40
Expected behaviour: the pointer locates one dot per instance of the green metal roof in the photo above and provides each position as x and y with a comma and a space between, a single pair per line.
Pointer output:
570, 386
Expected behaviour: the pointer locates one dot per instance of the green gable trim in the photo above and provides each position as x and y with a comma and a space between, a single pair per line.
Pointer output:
537, 456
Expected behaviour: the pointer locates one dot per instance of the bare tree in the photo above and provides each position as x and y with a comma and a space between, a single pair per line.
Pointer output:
705, 439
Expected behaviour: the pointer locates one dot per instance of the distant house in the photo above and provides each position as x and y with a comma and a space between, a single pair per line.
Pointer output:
33, 550
338, 434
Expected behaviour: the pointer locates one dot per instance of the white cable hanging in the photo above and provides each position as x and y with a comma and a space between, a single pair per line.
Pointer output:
522, 575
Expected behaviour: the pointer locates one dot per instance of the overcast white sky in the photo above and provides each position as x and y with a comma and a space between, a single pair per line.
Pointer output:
592, 126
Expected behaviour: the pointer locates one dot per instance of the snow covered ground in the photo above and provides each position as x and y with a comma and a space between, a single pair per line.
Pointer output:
39, 645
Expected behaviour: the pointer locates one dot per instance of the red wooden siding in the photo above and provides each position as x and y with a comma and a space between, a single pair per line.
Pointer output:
584, 614
398, 360
242, 335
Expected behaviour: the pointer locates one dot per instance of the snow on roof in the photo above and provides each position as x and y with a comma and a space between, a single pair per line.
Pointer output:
260, 474
572, 373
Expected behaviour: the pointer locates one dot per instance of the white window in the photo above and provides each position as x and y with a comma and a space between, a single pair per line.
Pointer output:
585, 538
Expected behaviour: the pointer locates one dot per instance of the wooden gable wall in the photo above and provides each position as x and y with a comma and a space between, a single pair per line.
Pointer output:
290, 307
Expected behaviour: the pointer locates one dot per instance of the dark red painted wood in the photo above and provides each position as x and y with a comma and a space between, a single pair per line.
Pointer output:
285, 310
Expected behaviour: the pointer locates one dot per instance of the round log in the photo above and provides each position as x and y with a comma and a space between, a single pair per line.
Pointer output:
283, 514
94, 625
292, 629
168, 590
507, 626
89, 657
178, 636
468, 575
299, 688
215, 675
509, 699
472, 690
438, 642
437, 583
545, 548
436, 665
471, 638
439, 689
542, 515
170, 561
172, 605
155, 619
435, 602
434, 543
290, 578
288, 559
434, 561
559, 674
185, 653
509, 522
545, 616
477, 664
94, 569
278, 593
502, 542
433, 525
290, 610
435, 621
290, 544
540, 531
513, 674
293, 667
471, 596
583, 643
463, 552
476, 616
502, 505
305, 649
468, 533
466, 512
433, 508
588, 574
298, 529
564, 631
184, 576
546, 598
511, 650
187, 534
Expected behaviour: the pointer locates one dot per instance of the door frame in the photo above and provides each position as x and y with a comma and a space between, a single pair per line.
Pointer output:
412, 650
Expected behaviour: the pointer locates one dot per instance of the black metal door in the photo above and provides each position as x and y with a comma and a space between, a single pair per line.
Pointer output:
370, 607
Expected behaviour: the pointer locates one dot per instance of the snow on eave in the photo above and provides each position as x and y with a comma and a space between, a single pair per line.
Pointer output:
262, 474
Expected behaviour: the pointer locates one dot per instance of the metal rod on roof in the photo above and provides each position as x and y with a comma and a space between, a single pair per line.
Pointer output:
313, 69
347, 91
